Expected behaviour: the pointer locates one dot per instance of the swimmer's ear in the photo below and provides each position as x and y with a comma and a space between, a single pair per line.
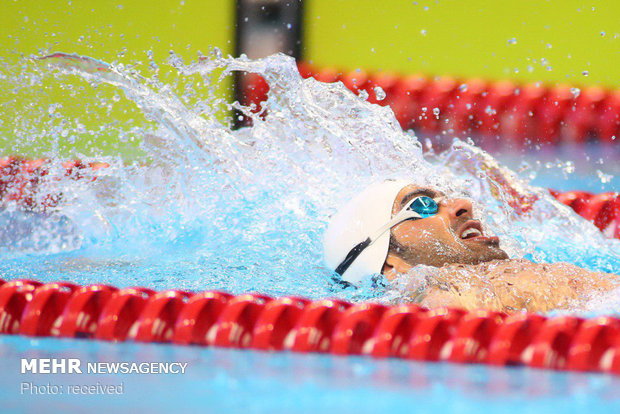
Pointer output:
393, 265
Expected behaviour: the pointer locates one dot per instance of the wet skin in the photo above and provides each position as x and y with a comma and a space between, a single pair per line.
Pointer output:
474, 272
437, 240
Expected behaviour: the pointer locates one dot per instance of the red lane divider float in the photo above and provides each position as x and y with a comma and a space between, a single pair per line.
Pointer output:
601, 209
487, 111
20, 178
329, 326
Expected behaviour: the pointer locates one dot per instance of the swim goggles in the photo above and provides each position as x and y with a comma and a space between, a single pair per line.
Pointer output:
418, 208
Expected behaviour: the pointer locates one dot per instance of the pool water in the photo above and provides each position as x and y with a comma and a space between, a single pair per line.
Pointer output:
244, 211
213, 208
219, 380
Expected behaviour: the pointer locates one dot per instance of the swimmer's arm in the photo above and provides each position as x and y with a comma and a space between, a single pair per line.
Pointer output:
449, 287
435, 297
473, 298
516, 286
540, 287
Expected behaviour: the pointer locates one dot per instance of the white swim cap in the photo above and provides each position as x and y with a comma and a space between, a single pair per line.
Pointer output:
357, 220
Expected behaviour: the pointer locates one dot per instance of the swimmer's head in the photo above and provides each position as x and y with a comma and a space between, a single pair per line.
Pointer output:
394, 225
452, 235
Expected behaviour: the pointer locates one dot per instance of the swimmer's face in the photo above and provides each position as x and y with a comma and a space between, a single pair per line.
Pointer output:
453, 235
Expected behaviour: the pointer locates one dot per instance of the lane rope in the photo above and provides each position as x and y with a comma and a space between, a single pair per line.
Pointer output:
255, 321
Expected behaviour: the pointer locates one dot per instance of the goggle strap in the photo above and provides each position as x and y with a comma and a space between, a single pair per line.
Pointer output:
353, 254
398, 218
360, 247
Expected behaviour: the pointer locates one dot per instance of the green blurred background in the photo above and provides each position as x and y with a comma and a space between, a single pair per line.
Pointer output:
125, 32
553, 41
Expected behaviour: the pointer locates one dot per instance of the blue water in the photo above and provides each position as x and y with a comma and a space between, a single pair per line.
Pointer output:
213, 208
585, 167
244, 211
230, 381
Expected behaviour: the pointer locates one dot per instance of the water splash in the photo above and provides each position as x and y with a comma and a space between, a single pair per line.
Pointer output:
245, 210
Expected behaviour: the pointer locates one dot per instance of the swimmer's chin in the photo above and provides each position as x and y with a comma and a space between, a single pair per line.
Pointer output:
489, 240
494, 253
490, 249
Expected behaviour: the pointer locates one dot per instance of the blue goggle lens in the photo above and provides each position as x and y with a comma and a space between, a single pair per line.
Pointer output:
424, 206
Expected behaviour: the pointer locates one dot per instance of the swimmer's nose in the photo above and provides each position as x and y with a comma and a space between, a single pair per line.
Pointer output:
459, 208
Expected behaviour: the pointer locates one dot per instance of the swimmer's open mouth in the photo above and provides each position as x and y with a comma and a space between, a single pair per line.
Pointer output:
472, 231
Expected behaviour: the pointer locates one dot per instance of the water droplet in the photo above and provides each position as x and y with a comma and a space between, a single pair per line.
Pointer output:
463, 87
603, 33
605, 178
379, 93
576, 92
436, 112
289, 26
423, 32
490, 111
585, 73
216, 52
512, 41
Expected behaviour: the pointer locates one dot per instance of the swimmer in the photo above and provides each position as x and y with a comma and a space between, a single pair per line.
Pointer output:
435, 247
